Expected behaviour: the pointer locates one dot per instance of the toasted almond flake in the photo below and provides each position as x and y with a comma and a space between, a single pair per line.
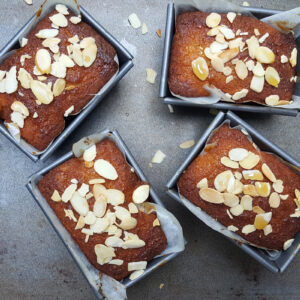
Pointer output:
229, 78
258, 70
87, 231
144, 28
249, 189
272, 100
283, 197
229, 214
224, 180
213, 32
232, 228
100, 225
128, 224
104, 254
90, 153
35, 115
246, 202
227, 32
11, 83
268, 229
229, 163
69, 111
133, 244
75, 20
68, 193
240, 94
237, 210
58, 87
264, 37
151, 75
77, 57
231, 16
89, 55
117, 262
74, 180
80, 223
257, 84
278, 186
264, 55
114, 242
136, 274
105, 169
89, 164
134, 21
272, 76
141, 193
90, 218
200, 68
79, 204
74, 39
258, 210
43, 61
250, 65
36, 71
274, 200
227, 71
202, 183
217, 48
248, 229
262, 220
17, 118
158, 157
115, 197
20, 107
50, 42
293, 58
156, 222
268, 172
83, 190
58, 69
86, 42
252, 175
250, 161
187, 144
217, 64
237, 43
220, 38
263, 188
237, 154
287, 244
42, 78
213, 20
238, 32
69, 214
23, 58
238, 175
25, 78
230, 199
47, 33
256, 32
138, 265
59, 20
24, 42
2, 74
61, 9
243, 33
211, 195
89, 196
237, 187
55, 196
132, 208
241, 70
96, 180
253, 45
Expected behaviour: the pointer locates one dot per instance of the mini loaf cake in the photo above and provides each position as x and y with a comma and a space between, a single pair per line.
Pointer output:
244, 58
61, 65
251, 192
101, 202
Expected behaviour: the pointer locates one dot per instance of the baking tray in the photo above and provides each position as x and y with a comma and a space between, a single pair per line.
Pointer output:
125, 64
90, 273
275, 261
168, 98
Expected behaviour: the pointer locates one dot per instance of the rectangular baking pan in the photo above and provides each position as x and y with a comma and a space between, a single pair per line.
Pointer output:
168, 98
275, 261
125, 64
90, 273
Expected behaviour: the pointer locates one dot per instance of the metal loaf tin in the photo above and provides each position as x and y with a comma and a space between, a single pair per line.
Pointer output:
125, 64
90, 273
275, 261
168, 98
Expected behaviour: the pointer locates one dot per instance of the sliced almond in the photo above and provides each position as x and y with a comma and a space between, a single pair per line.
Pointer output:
262, 220
238, 175
217, 48
246, 202
200, 68
105, 169
90, 153
59, 20
238, 154
50, 42
274, 200
229, 54
136, 274
43, 61
58, 87
75, 20
272, 100
100, 204
144, 28
58, 69
104, 254
90, 218
20, 107
134, 21
84, 189
248, 229
264, 37
227, 32
187, 144
263, 188
237, 210
220, 38
62, 9
213, 32
229, 163
89, 55
256, 32
138, 265
287, 244
114, 242
211, 195
66, 60
213, 20
115, 197
268, 172
218, 64
69, 213
11, 83
128, 223
230, 199
240, 94
25, 78
80, 223
268, 229
250, 64
156, 223
23, 58
293, 58
202, 183
77, 57
241, 70
224, 180
257, 84
229, 78
55, 196
249, 189
250, 161
17, 118
141, 193
68, 193
278, 186
253, 45
24, 42
227, 71
258, 210
132, 244
132, 208
100, 225
237, 187
96, 180
264, 55
258, 70
252, 175
41, 91
232, 228
272, 76
79, 204
283, 59
231, 16
283, 197
47, 33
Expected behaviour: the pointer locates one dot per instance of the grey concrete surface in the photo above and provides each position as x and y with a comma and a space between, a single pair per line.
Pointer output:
34, 264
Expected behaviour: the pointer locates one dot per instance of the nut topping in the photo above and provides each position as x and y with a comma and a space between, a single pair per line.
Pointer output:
230, 199
252, 175
257, 84
293, 58
105, 169
211, 195
41, 91
238, 154
202, 183
59, 20
213, 20
246, 202
47, 33
229, 163
272, 100
104, 254
224, 180
272, 76
248, 229
141, 193
43, 61
274, 200
268, 173
241, 70
264, 55
250, 161
79, 204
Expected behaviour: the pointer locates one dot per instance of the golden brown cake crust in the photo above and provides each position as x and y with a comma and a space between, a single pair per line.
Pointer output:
59, 179
191, 33
40, 131
208, 165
